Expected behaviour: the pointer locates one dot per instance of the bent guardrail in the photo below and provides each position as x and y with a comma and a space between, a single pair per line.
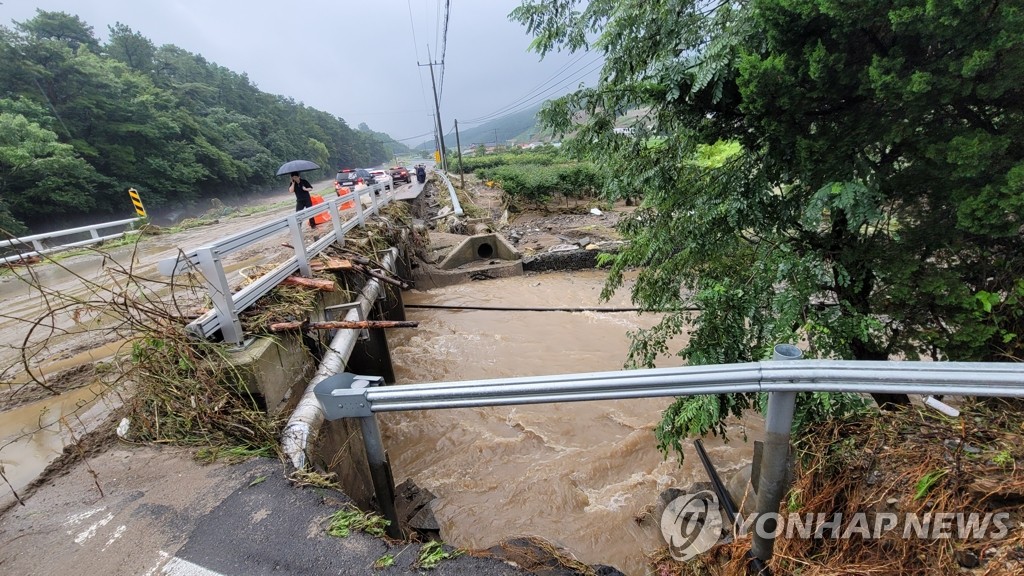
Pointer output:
208, 260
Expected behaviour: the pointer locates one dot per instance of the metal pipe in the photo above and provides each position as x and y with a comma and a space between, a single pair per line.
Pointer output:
451, 191
308, 415
380, 473
775, 462
756, 565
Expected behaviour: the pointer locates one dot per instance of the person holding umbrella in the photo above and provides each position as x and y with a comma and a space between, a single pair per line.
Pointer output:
301, 188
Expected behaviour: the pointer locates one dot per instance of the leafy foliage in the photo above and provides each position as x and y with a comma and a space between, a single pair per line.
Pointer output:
128, 114
849, 176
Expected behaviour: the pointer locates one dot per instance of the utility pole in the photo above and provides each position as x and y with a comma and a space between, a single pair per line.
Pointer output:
458, 142
495, 130
437, 109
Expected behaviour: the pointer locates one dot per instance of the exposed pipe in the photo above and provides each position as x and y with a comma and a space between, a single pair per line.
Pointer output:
757, 567
451, 190
308, 415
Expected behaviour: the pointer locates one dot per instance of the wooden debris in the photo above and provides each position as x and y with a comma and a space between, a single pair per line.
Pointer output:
332, 264
343, 325
318, 283
25, 261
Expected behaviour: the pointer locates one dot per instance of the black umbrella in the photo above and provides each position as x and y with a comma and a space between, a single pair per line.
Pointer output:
296, 166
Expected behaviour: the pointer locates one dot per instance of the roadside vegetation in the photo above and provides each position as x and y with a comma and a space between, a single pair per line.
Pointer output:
850, 178
535, 177
176, 127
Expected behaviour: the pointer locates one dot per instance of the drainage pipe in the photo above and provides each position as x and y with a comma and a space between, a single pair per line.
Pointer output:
451, 190
308, 416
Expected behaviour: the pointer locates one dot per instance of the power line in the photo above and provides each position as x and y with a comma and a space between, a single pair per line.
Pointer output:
444, 44
419, 72
534, 97
540, 88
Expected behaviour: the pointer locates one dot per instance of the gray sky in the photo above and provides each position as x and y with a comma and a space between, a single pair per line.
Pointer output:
310, 49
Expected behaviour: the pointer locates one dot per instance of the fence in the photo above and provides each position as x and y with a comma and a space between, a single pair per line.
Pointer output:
208, 260
36, 240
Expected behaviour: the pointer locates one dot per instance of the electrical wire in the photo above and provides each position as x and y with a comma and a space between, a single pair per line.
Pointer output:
542, 88
531, 99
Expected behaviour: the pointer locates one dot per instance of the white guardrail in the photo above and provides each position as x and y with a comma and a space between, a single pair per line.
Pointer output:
226, 306
36, 240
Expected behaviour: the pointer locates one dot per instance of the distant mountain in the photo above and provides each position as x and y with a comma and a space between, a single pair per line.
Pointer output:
519, 127
393, 146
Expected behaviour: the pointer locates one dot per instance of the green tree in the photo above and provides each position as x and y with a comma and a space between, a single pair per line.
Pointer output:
850, 173
130, 47
40, 178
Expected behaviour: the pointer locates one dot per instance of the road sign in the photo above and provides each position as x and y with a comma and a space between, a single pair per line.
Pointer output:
137, 202
437, 156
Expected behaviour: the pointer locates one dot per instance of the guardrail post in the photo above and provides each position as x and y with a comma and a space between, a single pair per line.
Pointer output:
373, 198
220, 294
359, 206
336, 223
775, 459
299, 244
344, 396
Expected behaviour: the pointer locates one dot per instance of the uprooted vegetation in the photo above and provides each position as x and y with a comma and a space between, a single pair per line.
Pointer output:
169, 386
912, 462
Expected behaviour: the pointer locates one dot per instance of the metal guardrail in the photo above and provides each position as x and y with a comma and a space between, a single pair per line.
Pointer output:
351, 396
926, 378
36, 240
456, 206
226, 306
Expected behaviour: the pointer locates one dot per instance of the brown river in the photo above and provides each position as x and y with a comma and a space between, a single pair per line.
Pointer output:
579, 474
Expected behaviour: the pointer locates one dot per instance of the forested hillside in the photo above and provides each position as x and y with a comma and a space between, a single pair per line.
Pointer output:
82, 121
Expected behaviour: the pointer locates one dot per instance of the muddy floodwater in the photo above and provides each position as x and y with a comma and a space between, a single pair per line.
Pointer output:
580, 475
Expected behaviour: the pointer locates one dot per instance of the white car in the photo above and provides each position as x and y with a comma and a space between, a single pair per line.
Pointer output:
382, 177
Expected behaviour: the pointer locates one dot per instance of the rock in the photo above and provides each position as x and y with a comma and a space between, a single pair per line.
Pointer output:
953, 445
592, 247
424, 520
412, 504
596, 212
562, 248
742, 493
967, 559
892, 501
583, 241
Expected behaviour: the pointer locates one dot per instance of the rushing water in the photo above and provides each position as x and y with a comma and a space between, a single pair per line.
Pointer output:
580, 474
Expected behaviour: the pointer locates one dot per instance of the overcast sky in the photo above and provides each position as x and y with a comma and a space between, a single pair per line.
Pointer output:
356, 59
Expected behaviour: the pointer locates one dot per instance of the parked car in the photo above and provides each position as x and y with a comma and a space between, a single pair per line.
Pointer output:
383, 178
401, 174
354, 177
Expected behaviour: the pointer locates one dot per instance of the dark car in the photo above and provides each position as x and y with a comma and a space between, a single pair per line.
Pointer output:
351, 177
400, 174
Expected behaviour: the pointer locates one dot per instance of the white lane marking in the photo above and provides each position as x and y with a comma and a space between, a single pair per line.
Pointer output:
163, 558
179, 567
91, 530
77, 518
117, 534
